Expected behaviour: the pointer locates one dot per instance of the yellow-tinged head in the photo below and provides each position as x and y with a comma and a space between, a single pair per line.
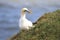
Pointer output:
26, 10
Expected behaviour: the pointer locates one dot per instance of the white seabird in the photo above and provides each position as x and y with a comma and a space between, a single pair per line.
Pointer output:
24, 23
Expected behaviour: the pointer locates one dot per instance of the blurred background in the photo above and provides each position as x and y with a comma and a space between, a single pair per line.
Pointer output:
10, 13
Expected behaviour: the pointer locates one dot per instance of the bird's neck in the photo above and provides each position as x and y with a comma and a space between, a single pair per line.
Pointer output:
23, 15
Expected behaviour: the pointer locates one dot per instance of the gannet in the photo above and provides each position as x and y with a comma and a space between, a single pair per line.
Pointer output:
24, 23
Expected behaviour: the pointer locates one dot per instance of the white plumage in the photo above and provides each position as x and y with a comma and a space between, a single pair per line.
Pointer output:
23, 22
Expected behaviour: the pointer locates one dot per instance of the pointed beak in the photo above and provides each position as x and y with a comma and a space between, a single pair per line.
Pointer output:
29, 11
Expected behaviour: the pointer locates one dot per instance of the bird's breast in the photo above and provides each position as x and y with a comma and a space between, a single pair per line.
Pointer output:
25, 22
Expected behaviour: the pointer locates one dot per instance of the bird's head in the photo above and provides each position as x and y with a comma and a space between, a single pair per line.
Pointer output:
26, 10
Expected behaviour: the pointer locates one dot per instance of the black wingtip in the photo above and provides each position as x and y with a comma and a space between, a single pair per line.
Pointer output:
34, 23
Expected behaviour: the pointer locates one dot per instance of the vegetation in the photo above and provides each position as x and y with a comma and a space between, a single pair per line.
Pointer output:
47, 28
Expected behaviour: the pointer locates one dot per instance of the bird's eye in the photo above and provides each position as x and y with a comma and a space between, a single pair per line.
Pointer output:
25, 10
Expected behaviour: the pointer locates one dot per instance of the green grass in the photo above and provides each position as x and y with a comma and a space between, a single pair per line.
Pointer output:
47, 28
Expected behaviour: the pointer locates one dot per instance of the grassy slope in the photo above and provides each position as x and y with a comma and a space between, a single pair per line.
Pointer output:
47, 28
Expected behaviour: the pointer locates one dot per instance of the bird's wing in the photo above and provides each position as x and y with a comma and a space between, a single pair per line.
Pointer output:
35, 23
